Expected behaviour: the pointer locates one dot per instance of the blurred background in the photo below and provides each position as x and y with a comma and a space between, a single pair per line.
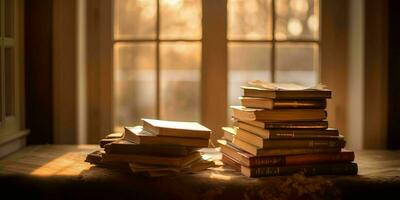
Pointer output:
74, 71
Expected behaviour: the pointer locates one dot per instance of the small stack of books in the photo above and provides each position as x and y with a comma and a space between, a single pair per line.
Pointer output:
281, 129
157, 148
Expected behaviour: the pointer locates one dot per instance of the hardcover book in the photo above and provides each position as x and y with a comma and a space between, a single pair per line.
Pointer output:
251, 114
127, 147
287, 133
271, 104
176, 129
138, 135
283, 150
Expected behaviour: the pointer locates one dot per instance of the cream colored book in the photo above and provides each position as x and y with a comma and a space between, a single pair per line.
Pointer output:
138, 135
176, 129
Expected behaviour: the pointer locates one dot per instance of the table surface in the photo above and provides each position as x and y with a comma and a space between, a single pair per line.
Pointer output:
48, 171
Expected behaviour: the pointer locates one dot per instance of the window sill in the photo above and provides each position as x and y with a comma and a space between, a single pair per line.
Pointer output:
12, 141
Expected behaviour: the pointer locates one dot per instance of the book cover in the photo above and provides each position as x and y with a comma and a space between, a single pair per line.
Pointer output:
138, 135
288, 133
176, 129
251, 114
309, 170
127, 147
271, 104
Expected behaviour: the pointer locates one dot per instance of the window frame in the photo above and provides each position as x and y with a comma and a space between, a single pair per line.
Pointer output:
214, 64
12, 127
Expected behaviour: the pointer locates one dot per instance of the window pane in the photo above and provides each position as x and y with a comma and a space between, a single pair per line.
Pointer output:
302, 66
297, 19
9, 18
9, 81
135, 19
180, 81
246, 61
135, 82
180, 19
249, 19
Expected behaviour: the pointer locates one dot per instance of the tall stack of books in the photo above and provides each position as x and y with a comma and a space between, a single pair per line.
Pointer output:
156, 148
281, 129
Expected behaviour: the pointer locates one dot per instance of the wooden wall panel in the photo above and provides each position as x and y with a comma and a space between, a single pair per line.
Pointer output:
334, 59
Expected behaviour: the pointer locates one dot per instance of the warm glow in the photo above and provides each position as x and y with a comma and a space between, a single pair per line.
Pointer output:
64, 165
312, 23
295, 27
174, 4
299, 6
220, 177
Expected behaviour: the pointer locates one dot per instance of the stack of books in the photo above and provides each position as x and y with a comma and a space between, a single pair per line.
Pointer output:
281, 129
156, 148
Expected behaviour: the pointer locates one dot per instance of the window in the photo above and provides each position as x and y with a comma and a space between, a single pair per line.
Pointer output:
157, 60
11, 88
158, 50
281, 44
7, 59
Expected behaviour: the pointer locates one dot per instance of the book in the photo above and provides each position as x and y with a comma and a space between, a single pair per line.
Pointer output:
262, 143
176, 161
227, 160
251, 114
278, 93
176, 129
271, 104
138, 135
308, 170
105, 141
126, 147
249, 160
246, 130
114, 135
157, 171
254, 150
229, 133
286, 124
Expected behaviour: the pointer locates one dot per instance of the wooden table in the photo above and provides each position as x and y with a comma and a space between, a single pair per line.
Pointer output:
59, 171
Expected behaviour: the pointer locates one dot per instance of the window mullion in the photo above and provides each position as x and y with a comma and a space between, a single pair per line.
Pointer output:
158, 68
273, 49
214, 80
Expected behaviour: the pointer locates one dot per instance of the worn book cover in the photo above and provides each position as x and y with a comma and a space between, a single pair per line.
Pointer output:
176, 129
251, 114
266, 103
138, 135
287, 133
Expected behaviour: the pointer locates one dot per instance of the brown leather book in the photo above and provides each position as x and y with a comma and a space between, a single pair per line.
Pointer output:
254, 150
246, 129
286, 124
251, 114
249, 91
271, 104
249, 160
259, 142
308, 170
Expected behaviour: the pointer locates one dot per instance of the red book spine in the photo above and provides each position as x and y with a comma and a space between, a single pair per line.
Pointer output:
301, 159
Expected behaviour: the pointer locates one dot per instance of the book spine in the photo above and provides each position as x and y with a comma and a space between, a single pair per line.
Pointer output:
288, 134
310, 170
272, 144
303, 159
267, 161
318, 104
